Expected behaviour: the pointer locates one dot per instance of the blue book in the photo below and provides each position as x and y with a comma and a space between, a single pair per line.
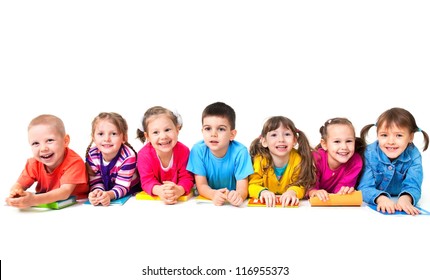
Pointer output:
119, 201
423, 211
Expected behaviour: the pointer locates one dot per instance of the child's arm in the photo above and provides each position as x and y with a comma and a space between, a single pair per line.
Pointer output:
218, 197
30, 199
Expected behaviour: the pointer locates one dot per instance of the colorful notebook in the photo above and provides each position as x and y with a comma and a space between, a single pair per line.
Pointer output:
145, 196
119, 201
374, 207
255, 202
352, 199
60, 204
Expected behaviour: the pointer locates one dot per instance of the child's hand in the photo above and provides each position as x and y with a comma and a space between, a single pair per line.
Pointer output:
289, 198
169, 192
17, 192
404, 203
104, 199
321, 194
93, 197
384, 204
97, 197
220, 196
268, 197
24, 201
346, 190
234, 198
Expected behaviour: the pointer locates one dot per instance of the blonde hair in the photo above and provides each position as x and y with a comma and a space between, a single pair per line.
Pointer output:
51, 120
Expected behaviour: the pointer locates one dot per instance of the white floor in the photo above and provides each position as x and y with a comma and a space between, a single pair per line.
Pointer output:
118, 242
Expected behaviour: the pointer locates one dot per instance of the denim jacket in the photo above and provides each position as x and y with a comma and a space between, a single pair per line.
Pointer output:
404, 175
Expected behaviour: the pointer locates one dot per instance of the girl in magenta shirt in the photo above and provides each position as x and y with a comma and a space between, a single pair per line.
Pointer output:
162, 161
338, 159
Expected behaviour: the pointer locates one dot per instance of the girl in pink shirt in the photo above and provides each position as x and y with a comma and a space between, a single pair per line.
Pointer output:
338, 159
162, 161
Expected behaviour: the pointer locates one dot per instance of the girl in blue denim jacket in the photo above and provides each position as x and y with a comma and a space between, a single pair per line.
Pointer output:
393, 165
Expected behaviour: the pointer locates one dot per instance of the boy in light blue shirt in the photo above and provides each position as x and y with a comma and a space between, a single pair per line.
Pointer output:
220, 164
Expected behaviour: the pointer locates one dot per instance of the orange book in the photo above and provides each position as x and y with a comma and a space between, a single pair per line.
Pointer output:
352, 199
145, 196
255, 202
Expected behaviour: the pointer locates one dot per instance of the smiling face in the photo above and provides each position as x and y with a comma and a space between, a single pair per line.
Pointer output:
280, 142
108, 139
339, 144
393, 140
162, 133
217, 134
48, 145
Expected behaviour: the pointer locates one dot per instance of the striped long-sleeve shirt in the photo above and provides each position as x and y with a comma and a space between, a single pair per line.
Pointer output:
122, 176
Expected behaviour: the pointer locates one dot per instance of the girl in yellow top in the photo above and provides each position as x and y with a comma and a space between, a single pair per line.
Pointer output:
279, 168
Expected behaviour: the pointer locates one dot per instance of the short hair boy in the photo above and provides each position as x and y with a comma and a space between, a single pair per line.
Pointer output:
58, 170
220, 164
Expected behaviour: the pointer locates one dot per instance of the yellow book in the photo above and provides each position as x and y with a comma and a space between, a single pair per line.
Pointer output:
202, 199
255, 202
352, 199
145, 196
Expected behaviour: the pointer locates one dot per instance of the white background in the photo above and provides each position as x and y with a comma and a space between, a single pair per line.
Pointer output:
307, 60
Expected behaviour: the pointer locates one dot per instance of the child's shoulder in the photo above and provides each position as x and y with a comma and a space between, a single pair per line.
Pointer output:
71, 154
127, 151
199, 145
72, 158
238, 145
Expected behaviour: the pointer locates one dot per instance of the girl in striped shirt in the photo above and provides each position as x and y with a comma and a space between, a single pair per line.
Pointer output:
110, 160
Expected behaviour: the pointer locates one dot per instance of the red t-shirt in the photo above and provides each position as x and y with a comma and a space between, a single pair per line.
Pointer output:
70, 171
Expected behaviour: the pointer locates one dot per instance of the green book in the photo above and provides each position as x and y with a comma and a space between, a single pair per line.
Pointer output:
60, 204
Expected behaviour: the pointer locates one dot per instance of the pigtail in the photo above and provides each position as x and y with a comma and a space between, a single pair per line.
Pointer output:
364, 131
307, 177
426, 138
90, 171
256, 148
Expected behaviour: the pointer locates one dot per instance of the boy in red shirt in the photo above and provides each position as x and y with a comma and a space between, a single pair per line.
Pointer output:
59, 171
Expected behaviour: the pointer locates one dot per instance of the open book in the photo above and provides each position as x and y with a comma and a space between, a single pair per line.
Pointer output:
60, 204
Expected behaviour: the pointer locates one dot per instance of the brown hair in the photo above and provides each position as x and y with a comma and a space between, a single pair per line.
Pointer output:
307, 169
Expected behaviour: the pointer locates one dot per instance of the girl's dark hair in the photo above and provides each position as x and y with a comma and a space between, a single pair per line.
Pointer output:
307, 169
396, 117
